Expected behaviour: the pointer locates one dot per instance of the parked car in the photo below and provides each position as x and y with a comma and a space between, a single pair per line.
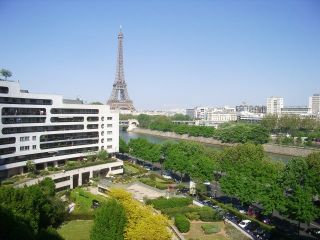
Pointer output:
166, 176
244, 223
314, 232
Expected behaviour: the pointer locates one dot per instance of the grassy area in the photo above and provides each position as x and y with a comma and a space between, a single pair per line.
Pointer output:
196, 232
76, 230
83, 199
234, 234
130, 169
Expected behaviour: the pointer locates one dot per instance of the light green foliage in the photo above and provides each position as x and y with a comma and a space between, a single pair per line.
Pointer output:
210, 228
301, 184
76, 230
109, 222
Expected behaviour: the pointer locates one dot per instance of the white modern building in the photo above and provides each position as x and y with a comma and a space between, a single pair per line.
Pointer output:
221, 115
296, 110
274, 105
314, 104
50, 130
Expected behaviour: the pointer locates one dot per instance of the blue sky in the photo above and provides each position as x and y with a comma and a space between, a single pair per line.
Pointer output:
177, 53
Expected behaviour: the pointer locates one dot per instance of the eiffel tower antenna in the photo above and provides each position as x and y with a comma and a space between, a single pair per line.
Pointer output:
119, 99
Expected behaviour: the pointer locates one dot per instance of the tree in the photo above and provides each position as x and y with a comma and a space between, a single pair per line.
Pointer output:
142, 222
102, 154
300, 188
123, 146
31, 167
6, 73
109, 222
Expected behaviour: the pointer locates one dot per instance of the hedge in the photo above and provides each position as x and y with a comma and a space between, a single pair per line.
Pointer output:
207, 214
210, 228
171, 212
182, 223
163, 203
238, 214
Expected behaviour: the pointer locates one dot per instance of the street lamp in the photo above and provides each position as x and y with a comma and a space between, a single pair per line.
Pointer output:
161, 160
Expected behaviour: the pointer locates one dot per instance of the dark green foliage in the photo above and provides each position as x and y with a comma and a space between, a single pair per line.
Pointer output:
162, 203
36, 205
182, 223
6, 73
13, 227
171, 212
49, 234
109, 222
123, 146
207, 214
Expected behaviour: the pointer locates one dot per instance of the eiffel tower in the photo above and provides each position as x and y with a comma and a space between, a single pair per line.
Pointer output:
119, 99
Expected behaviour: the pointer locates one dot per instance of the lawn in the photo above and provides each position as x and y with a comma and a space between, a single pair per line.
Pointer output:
76, 230
129, 169
83, 200
196, 232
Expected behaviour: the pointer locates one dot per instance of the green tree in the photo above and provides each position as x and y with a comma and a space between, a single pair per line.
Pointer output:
109, 222
102, 155
5, 73
123, 146
31, 167
300, 188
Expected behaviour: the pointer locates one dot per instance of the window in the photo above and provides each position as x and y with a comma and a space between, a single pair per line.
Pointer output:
109, 118
24, 148
4, 89
109, 139
102, 125
102, 118
102, 140
24, 139
109, 132
109, 125
34, 138
109, 146
34, 147
102, 133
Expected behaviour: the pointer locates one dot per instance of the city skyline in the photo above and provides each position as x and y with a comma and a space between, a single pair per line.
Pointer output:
244, 51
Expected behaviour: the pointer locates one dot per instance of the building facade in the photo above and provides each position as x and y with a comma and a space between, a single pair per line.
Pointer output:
252, 109
50, 130
274, 105
314, 104
296, 110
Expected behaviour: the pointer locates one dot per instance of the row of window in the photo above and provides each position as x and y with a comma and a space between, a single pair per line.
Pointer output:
4, 89
28, 101
26, 148
4, 151
19, 120
68, 136
68, 143
9, 140
13, 130
27, 138
73, 111
27, 157
23, 111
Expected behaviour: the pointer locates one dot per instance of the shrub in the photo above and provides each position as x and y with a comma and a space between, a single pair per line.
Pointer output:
209, 215
182, 223
210, 228
171, 212
193, 216
162, 203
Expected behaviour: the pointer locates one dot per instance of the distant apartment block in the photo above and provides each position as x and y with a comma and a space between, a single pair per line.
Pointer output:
296, 110
251, 109
274, 105
50, 130
314, 104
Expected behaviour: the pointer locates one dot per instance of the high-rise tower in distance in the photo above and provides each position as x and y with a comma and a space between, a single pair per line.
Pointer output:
119, 99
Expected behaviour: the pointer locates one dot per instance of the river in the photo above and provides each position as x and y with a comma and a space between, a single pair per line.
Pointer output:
156, 139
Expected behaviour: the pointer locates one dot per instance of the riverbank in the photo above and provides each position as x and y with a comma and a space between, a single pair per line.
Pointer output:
270, 148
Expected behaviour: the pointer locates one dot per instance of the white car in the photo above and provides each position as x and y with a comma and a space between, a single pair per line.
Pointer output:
166, 176
244, 223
